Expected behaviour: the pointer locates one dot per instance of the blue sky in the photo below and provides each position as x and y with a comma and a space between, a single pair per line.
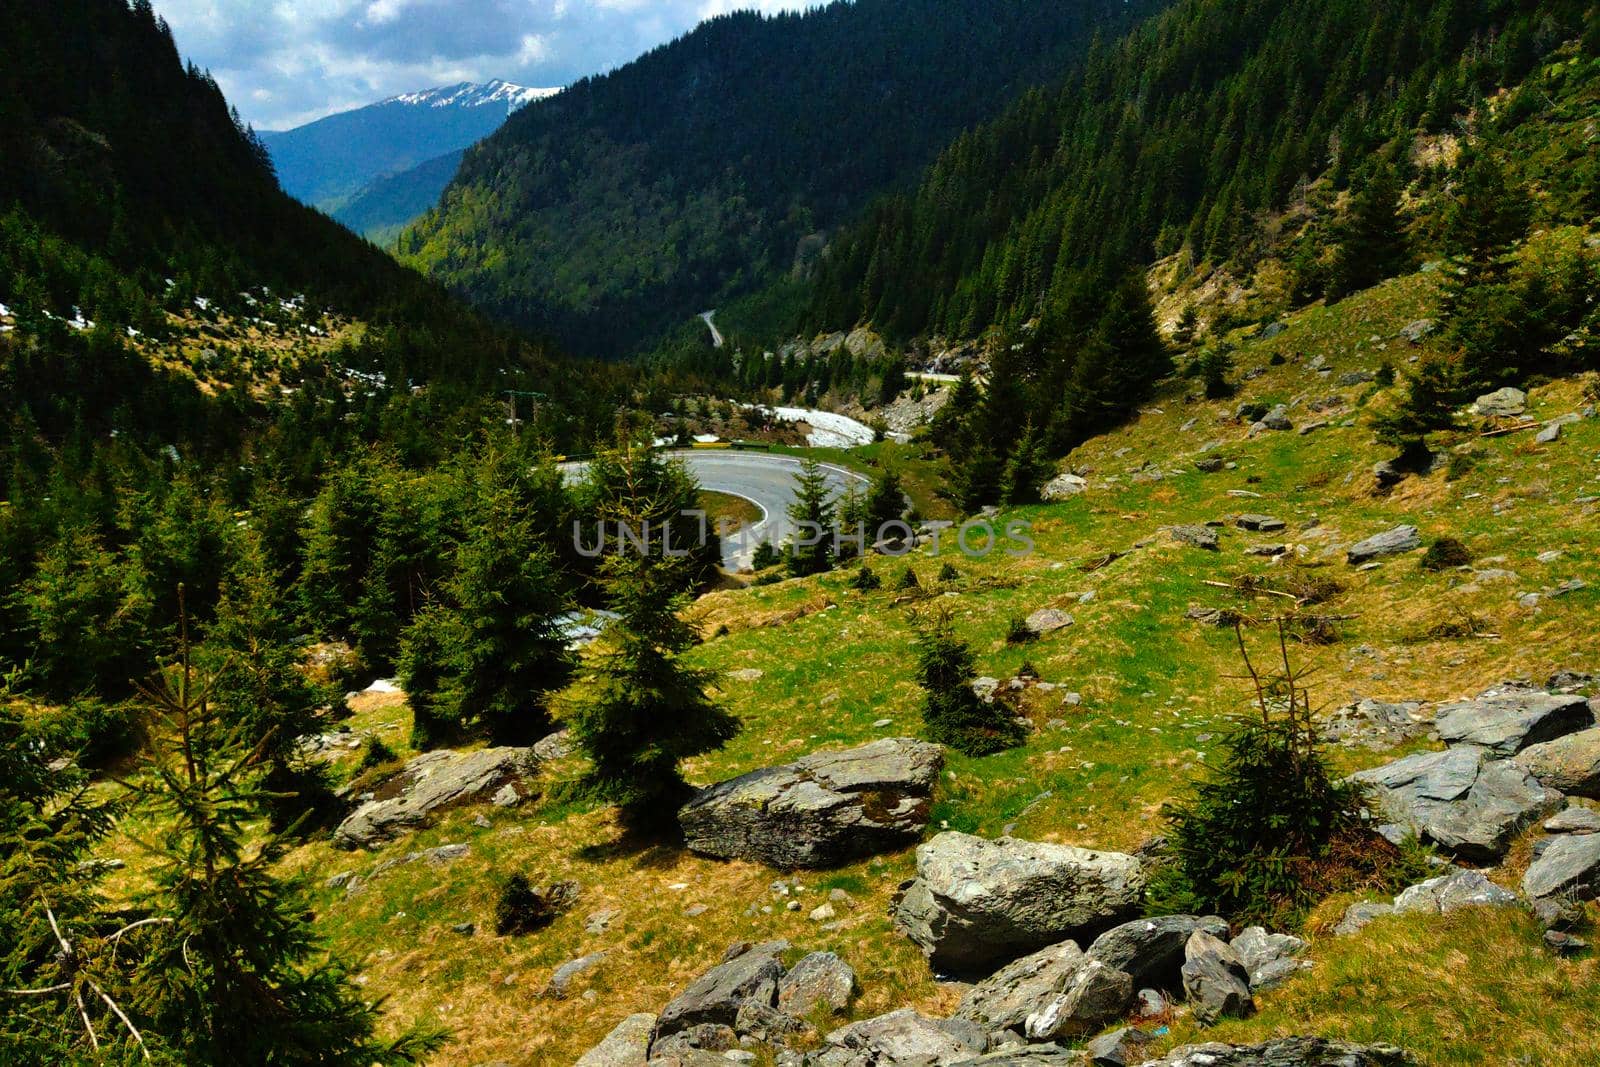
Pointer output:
286, 62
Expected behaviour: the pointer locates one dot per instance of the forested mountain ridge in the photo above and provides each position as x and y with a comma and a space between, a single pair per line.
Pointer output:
638, 198
332, 162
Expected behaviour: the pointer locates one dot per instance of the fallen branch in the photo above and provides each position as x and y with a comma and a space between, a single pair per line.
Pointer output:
1503, 430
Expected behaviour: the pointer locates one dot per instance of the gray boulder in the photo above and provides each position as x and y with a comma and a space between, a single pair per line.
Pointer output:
1215, 980
1119, 1048
1573, 820
1393, 542
435, 782
1569, 867
560, 984
1416, 331
626, 1046
1151, 950
1570, 764
1277, 418
1063, 487
819, 981
977, 904
1509, 722
1502, 402
1460, 799
750, 975
822, 810
1372, 724
1056, 992
1269, 958
1285, 1052
1450, 892
1028, 1056
1358, 915
1260, 523
1048, 621
1198, 536
903, 1037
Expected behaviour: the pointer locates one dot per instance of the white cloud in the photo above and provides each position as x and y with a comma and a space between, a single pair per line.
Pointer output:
285, 62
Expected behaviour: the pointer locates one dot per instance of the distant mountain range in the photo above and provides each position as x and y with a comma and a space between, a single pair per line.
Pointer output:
378, 167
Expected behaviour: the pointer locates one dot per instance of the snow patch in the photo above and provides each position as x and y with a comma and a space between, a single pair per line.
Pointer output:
828, 429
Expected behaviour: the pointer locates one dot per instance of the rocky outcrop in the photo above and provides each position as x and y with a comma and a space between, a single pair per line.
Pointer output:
977, 904
1393, 542
1507, 722
1372, 724
1502, 403
749, 974
1569, 867
1198, 536
1047, 621
1063, 487
1151, 950
822, 810
1268, 958
1450, 892
819, 981
903, 1037
436, 782
1057, 992
1570, 764
1460, 799
1285, 1052
1215, 980
626, 1046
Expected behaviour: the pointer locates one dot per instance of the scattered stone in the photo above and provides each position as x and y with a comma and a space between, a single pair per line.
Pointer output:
1285, 1052
820, 811
560, 983
692, 1046
1055, 992
1150, 1004
435, 782
822, 913
1209, 464
1460, 799
1570, 764
628, 1045
1357, 377
558, 745
1048, 621
1260, 523
1555, 914
977, 904
1416, 331
1448, 892
717, 995
1570, 867
1198, 536
1574, 820
1388, 474
1063, 487
1502, 402
1151, 950
1269, 958
1568, 680
1373, 724
1549, 435
747, 674
1277, 419
597, 921
1215, 980
1509, 722
819, 981
464, 929
1393, 542
903, 1037
1269, 551
1312, 427
1359, 914
768, 1025
1564, 943
1119, 1048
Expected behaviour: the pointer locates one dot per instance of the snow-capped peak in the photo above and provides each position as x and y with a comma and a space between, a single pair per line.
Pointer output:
475, 94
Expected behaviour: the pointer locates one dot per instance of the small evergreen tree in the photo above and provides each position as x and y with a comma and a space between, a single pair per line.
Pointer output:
1372, 241
765, 556
1026, 469
1428, 407
884, 503
813, 516
952, 713
637, 709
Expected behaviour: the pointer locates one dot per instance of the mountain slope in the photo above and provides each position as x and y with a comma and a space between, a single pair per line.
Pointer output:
637, 199
329, 162
382, 208
1185, 135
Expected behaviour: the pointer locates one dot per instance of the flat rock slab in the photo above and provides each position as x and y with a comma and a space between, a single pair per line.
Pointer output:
626, 1046
820, 981
1151, 950
1063, 487
1570, 764
1461, 799
1285, 1052
1573, 820
903, 1037
751, 975
1056, 992
1048, 621
1260, 523
1451, 892
1373, 724
1570, 867
822, 810
1198, 536
1510, 722
1393, 542
435, 782
978, 904
1502, 403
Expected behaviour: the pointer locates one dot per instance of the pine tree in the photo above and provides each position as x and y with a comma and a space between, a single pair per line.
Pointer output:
1372, 241
812, 514
952, 713
1432, 394
884, 503
231, 972
637, 709
1486, 217
1026, 470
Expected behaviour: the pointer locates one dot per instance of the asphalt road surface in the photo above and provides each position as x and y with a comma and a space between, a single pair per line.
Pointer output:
766, 480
